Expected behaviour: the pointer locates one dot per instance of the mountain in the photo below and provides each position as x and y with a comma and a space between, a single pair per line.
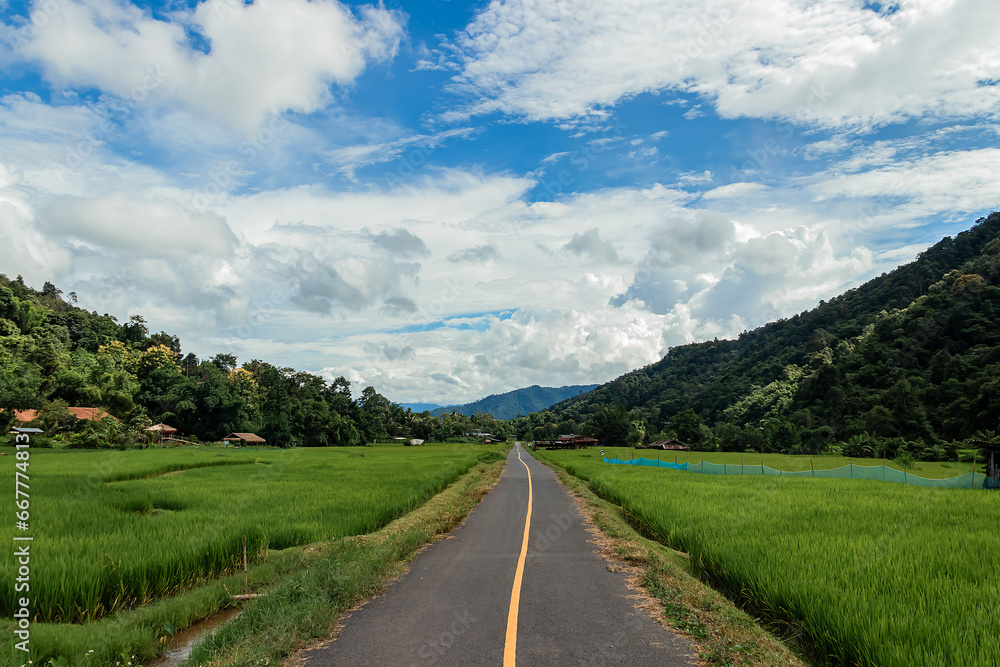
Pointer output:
421, 407
518, 402
912, 356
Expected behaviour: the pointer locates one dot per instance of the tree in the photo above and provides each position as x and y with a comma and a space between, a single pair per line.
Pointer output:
135, 331
165, 339
613, 426
244, 385
55, 416
341, 386
782, 436
225, 362
376, 406
687, 425
155, 358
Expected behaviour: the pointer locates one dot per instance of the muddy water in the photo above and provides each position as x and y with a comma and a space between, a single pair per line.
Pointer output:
182, 643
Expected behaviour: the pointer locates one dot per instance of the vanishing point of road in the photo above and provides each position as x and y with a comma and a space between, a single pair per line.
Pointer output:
519, 584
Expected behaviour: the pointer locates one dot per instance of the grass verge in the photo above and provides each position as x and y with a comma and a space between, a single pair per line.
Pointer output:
725, 635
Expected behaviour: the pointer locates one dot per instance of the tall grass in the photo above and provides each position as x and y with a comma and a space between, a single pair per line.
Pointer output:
869, 573
116, 529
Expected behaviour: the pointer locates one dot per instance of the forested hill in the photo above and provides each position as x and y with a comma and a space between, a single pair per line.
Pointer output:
518, 402
54, 355
912, 355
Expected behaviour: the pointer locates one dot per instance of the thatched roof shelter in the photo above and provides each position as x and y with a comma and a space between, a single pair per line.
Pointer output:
162, 428
244, 439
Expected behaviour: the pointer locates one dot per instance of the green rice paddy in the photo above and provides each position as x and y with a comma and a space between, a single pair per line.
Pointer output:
866, 572
113, 530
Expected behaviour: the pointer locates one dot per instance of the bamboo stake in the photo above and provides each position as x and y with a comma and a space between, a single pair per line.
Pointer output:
972, 484
244, 564
811, 466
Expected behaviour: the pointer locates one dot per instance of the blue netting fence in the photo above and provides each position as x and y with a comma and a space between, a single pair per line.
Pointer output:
882, 473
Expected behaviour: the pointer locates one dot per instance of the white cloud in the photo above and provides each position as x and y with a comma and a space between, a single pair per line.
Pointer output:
138, 226
263, 59
590, 244
531, 346
910, 188
700, 270
419, 148
27, 250
734, 190
834, 63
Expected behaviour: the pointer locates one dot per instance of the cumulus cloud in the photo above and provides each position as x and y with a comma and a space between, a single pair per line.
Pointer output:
398, 305
706, 272
137, 225
399, 242
593, 246
27, 250
478, 254
841, 62
261, 59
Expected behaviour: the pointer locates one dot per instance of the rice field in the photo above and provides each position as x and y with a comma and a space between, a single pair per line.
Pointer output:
867, 573
113, 530
792, 463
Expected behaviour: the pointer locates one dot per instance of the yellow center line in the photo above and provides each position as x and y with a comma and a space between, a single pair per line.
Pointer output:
510, 646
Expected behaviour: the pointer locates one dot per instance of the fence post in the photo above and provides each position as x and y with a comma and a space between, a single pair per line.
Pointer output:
811, 466
972, 484
244, 564
852, 470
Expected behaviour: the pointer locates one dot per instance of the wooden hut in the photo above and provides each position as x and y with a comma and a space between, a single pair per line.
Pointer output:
665, 444
991, 453
569, 441
157, 431
244, 439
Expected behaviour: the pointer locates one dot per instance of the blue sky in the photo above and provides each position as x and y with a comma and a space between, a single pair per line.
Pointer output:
447, 200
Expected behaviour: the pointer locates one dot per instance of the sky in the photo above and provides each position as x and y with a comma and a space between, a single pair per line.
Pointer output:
446, 199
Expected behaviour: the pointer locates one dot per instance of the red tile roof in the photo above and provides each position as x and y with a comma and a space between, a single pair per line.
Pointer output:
90, 414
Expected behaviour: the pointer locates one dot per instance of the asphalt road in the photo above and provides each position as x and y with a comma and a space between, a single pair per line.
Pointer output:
452, 607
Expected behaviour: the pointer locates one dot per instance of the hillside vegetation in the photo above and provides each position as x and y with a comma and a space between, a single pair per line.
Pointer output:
908, 362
